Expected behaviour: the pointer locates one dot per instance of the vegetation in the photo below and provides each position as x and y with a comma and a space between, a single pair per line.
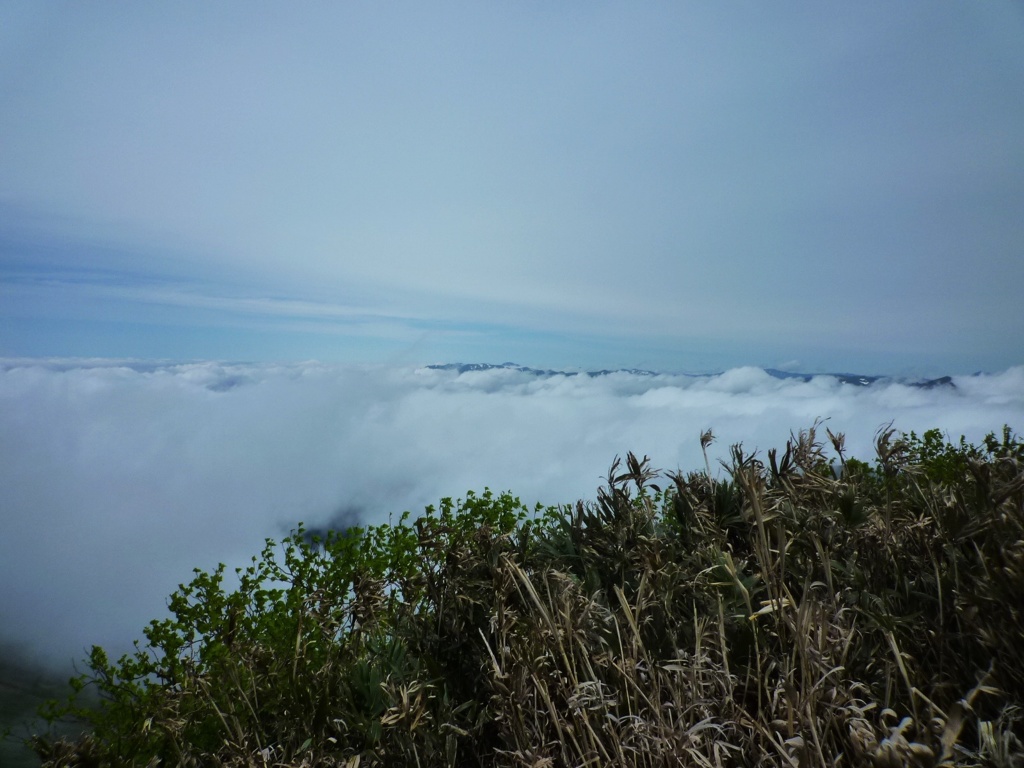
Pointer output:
814, 610
24, 686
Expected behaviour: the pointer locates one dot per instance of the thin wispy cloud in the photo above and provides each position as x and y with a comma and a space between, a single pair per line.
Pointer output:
189, 297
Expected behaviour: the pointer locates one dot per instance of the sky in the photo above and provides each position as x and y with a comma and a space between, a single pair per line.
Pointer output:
682, 187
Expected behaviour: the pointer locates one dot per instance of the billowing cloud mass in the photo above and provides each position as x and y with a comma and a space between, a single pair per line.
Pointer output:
117, 479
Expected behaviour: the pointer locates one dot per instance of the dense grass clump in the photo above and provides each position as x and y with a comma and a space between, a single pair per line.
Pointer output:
814, 610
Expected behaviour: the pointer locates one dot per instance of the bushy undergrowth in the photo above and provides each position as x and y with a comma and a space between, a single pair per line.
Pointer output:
812, 610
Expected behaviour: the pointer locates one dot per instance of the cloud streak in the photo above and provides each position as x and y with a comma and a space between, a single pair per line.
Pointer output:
118, 477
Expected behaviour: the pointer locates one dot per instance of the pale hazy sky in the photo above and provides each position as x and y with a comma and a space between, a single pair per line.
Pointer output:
677, 186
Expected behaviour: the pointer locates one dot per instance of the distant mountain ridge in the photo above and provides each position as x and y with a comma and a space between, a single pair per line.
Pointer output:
859, 380
471, 367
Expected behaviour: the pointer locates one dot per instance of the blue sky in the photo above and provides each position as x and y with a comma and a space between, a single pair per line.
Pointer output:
675, 186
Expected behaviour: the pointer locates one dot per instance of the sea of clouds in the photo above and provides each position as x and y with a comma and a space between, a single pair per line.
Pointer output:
118, 478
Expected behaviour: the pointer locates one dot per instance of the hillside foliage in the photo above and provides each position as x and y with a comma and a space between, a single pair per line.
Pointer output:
804, 608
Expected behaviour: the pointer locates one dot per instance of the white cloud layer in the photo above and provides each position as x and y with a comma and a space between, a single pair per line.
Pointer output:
116, 479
